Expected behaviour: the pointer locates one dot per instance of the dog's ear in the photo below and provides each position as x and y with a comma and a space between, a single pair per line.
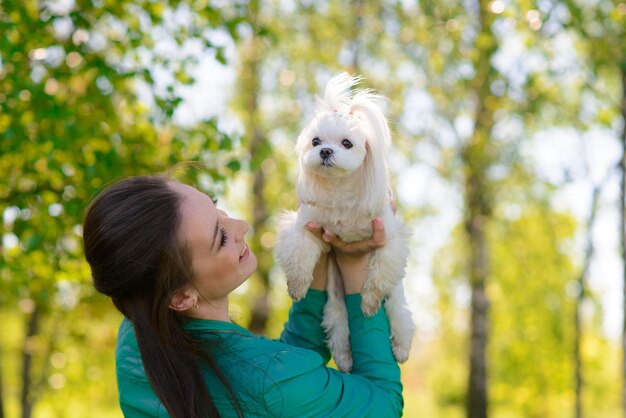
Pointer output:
374, 125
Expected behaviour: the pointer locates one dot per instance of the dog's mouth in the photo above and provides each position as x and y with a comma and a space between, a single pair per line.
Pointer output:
328, 162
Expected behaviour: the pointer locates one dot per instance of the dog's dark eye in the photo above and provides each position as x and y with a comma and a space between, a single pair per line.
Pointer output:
316, 141
347, 144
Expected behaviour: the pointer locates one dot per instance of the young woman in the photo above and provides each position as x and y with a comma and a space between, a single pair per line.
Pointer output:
169, 259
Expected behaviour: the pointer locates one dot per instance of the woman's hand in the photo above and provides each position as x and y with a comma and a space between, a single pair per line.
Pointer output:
352, 257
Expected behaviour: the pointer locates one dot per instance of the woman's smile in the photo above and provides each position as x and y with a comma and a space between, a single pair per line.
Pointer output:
245, 253
220, 257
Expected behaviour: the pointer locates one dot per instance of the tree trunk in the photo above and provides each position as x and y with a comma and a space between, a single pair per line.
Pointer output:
477, 157
477, 396
260, 307
1, 397
355, 42
27, 399
582, 286
258, 147
1, 381
622, 212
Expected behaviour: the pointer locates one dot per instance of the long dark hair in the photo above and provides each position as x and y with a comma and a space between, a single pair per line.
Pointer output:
130, 238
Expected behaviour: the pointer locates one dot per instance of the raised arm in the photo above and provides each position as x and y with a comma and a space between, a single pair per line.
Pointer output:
296, 386
304, 326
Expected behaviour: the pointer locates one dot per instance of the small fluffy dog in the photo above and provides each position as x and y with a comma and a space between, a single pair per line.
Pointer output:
342, 185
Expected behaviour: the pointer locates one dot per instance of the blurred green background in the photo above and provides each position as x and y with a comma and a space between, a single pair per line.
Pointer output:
508, 122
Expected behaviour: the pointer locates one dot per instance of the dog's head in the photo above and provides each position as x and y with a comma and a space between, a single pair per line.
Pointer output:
332, 144
348, 133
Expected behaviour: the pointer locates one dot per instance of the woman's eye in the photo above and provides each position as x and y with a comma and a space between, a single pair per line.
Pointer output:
316, 141
224, 239
347, 144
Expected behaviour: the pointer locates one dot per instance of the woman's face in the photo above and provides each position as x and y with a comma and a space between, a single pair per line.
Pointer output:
221, 259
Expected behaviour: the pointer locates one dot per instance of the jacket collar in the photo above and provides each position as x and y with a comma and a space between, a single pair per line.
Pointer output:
201, 325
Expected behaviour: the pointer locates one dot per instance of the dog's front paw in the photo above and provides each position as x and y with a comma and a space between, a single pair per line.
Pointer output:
343, 360
370, 301
297, 289
401, 348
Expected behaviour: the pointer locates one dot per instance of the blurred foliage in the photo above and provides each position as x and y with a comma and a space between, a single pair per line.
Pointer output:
71, 121
89, 93
532, 293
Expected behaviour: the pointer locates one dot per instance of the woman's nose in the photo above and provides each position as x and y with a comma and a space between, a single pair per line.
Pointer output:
243, 228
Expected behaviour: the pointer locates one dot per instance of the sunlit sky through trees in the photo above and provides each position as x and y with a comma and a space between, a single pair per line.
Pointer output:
573, 159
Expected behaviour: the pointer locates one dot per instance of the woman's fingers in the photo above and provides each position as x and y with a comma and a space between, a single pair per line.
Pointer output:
378, 233
315, 229
377, 239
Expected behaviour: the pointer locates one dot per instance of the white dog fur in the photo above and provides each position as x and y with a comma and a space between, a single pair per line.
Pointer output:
343, 185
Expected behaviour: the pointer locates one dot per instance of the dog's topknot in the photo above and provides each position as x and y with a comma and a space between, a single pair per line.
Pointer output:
338, 93
341, 97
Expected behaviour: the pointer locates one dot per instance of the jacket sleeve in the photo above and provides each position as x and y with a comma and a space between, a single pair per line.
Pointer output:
296, 386
304, 326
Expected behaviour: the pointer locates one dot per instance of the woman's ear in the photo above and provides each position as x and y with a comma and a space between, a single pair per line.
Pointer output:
184, 299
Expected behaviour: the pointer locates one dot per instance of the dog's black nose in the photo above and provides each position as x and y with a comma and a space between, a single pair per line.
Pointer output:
326, 152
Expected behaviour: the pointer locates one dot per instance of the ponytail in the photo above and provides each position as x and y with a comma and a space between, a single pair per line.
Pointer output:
131, 244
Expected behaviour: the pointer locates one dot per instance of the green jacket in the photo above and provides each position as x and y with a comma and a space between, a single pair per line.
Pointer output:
285, 378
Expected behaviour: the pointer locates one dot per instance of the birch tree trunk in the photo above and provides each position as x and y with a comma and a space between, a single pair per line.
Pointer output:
355, 44
1, 396
2, 393
27, 400
582, 288
622, 215
251, 54
477, 158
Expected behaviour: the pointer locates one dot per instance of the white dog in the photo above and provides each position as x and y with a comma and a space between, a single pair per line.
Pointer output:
342, 185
